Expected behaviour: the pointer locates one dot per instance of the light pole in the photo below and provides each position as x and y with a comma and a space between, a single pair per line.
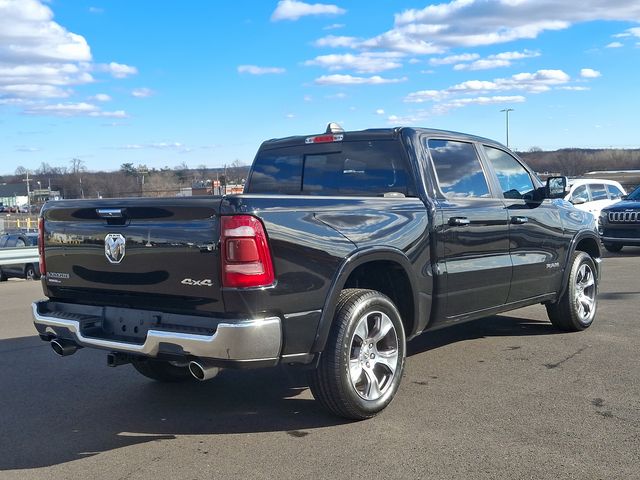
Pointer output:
506, 111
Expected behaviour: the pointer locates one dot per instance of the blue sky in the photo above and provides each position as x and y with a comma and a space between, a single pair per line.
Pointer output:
204, 82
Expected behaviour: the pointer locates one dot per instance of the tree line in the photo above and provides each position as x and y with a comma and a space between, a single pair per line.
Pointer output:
75, 181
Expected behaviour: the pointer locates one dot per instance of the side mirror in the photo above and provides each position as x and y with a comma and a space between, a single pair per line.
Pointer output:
623, 197
556, 187
578, 201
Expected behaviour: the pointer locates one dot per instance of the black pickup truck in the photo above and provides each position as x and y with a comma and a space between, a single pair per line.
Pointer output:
344, 246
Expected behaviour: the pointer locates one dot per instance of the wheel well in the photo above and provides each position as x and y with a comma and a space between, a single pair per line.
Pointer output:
590, 246
389, 278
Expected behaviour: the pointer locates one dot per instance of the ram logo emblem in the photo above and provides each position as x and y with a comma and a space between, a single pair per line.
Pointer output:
114, 247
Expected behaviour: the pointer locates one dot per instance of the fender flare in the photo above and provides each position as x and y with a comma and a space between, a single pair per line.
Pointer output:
583, 235
354, 260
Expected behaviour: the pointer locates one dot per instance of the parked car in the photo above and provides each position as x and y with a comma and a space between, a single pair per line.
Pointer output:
619, 224
29, 271
592, 195
343, 246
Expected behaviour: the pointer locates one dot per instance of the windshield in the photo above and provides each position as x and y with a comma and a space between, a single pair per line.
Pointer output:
635, 195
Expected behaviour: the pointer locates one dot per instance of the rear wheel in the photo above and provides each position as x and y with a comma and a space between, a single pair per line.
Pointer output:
576, 309
30, 272
613, 247
162, 370
361, 367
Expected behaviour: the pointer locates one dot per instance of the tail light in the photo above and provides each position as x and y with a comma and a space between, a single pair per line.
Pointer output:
244, 251
43, 265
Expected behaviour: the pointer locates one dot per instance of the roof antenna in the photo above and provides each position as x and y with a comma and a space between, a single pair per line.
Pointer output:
333, 127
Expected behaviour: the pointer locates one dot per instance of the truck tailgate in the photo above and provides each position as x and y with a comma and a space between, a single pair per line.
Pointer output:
158, 253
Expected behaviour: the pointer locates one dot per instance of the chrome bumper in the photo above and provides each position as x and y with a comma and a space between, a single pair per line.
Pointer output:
252, 340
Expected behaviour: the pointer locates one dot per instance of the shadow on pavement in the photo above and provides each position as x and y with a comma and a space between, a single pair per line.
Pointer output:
56, 410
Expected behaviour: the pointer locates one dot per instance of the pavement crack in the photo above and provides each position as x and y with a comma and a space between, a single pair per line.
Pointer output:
557, 364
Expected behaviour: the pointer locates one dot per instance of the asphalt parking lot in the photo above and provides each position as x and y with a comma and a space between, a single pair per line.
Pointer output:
503, 397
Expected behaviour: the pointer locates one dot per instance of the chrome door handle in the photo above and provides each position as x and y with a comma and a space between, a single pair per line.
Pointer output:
519, 220
459, 221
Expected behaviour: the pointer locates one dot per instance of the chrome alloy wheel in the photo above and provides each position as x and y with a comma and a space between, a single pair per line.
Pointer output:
373, 358
585, 293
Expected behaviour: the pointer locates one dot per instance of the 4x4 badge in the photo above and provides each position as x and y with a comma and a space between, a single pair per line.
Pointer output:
114, 247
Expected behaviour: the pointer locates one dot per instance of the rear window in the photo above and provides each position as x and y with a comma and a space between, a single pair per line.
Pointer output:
362, 168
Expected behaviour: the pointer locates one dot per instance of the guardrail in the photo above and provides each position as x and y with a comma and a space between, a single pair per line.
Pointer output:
9, 256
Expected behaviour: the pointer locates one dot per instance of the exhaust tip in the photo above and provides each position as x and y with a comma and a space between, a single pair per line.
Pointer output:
63, 348
202, 371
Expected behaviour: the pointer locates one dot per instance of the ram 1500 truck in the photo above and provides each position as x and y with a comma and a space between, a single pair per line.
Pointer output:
344, 246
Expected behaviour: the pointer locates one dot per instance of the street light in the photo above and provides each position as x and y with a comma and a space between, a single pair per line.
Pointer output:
506, 111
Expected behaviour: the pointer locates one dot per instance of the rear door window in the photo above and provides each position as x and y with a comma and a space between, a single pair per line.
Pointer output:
598, 191
360, 168
458, 169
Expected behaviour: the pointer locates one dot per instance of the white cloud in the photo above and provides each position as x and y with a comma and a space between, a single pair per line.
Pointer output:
337, 96
308, 98
96, 10
352, 80
366, 62
589, 73
334, 26
473, 23
540, 81
290, 115
171, 146
614, 45
294, 10
40, 60
333, 41
72, 109
497, 60
120, 70
142, 92
380, 111
575, 88
484, 64
630, 32
255, 70
101, 97
451, 59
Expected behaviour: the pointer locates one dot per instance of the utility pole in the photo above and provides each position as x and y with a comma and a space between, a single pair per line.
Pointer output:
506, 111
28, 192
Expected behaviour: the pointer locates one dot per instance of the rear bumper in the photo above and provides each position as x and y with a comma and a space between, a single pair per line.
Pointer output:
249, 341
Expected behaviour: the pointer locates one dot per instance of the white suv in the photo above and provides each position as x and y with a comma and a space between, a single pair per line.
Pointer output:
592, 195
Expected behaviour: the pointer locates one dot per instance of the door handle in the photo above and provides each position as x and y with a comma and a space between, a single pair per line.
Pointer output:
459, 221
519, 220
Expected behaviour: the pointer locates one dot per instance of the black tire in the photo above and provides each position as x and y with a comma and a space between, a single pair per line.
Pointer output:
3, 277
613, 247
361, 315
577, 307
161, 370
30, 272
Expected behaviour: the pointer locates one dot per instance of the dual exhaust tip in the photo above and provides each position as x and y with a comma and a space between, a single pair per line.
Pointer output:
201, 369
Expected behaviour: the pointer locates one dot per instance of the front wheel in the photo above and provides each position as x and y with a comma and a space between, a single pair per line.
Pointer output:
576, 309
361, 367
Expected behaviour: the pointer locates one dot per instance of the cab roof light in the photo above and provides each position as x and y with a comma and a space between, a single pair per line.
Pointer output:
324, 139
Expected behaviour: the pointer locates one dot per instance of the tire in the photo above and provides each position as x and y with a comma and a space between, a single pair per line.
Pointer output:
162, 370
30, 272
360, 370
577, 307
3, 277
613, 247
